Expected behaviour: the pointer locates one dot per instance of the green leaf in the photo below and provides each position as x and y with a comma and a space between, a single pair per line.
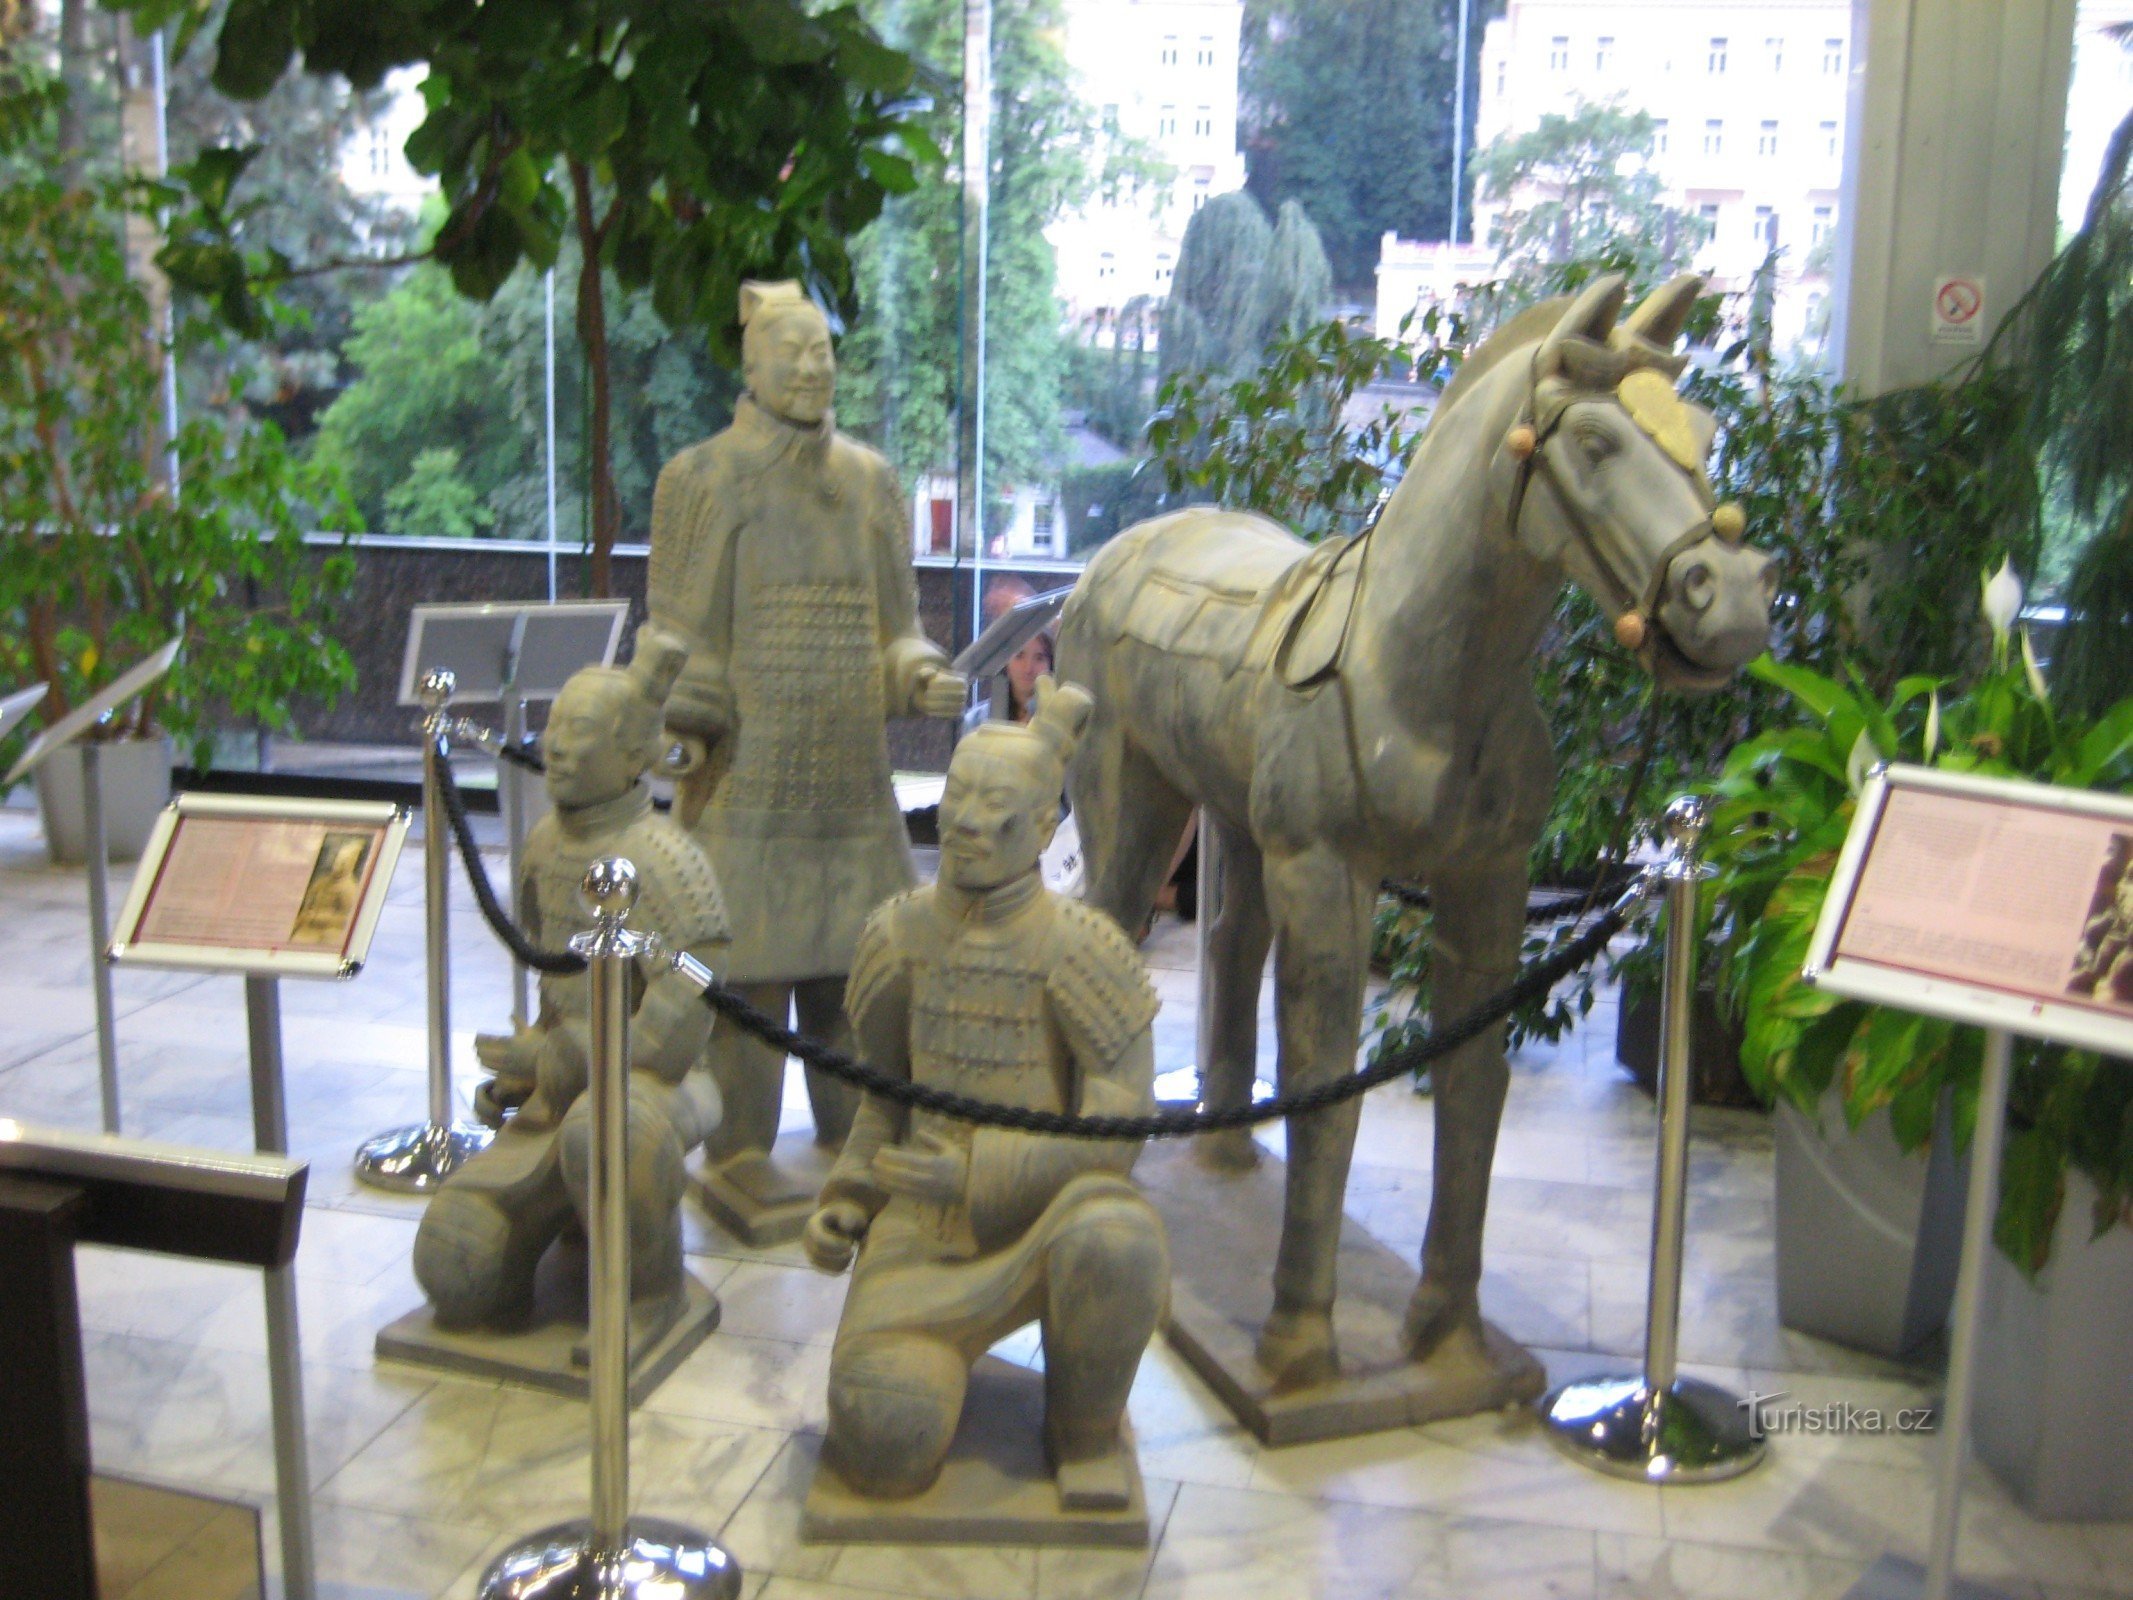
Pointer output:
2032, 1188
255, 47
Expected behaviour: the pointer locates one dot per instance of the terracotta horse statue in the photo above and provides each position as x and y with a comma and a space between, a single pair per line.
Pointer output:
1366, 708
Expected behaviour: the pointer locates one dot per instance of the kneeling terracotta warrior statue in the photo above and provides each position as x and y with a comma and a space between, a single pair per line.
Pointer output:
484, 1234
990, 984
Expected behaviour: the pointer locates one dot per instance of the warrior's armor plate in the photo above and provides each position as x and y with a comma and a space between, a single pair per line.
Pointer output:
779, 553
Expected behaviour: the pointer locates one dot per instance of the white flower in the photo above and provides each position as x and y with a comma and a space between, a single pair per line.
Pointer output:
1864, 758
2003, 600
2029, 665
1932, 725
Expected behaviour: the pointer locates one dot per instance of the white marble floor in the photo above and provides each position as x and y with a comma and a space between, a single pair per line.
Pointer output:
421, 1478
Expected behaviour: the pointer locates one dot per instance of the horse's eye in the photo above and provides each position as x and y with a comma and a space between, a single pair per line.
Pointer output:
1595, 443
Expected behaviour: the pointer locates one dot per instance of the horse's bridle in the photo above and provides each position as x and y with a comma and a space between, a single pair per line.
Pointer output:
1539, 427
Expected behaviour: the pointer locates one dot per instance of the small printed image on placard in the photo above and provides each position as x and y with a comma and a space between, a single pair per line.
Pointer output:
2025, 901
2103, 965
335, 892
260, 884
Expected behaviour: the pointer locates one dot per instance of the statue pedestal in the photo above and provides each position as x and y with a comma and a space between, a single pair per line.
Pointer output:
995, 1488
551, 1353
766, 1200
1224, 1228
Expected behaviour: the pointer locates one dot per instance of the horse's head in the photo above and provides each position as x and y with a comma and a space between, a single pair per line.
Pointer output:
1609, 480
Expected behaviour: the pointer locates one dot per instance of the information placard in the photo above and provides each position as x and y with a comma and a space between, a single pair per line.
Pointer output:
248, 883
524, 648
1988, 901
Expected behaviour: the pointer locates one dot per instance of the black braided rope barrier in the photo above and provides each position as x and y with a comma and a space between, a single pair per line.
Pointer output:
1411, 895
1530, 985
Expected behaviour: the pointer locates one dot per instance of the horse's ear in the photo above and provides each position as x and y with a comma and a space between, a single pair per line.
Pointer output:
1591, 317
1660, 317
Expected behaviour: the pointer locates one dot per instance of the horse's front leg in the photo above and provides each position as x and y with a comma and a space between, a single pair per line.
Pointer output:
1477, 927
1321, 918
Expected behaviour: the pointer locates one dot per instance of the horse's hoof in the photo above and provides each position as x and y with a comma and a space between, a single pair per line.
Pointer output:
1434, 1314
1296, 1348
1227, 1150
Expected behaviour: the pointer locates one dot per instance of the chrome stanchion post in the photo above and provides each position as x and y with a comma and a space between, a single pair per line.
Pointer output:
511, 796
285, 1366
98, 862
1659, 1426
611, 1555
417, 1159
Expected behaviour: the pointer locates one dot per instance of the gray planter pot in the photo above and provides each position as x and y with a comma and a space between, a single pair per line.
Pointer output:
136, 787
1867, 1235
2055, 1371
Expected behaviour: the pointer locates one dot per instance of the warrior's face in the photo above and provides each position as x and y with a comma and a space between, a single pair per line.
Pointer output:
588, 759
791, 369
996, 817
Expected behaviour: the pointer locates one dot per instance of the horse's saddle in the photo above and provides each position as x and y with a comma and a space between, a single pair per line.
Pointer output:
1241, 594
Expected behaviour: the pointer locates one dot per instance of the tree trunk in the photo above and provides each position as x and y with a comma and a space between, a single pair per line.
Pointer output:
74, 73
592, 338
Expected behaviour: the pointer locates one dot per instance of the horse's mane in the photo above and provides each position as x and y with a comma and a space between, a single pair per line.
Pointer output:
1530, 326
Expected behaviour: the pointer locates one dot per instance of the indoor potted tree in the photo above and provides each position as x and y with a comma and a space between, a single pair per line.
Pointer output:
2061, 1343
114, 539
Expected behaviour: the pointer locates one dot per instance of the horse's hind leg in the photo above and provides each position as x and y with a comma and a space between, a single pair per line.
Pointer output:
1130, 819
1321, 913
1238, 933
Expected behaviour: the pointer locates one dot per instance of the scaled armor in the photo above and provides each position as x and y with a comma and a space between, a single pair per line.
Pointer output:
1019, 996
485, 1232
780, 554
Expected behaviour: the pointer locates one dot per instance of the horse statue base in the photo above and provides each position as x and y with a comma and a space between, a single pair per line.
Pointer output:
1222, 1227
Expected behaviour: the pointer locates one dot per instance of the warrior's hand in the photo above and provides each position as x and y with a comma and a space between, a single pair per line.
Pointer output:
942, 693
514, 1058
931, 1169
700, 708
833, 1233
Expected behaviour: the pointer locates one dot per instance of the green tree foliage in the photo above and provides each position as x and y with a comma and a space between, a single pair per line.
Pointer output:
1241, 285
682, 147
1348, 110
102, 556
1050, 153
1579, 188
430, 366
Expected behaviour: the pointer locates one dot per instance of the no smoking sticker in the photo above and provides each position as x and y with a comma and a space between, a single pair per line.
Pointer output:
1958, 309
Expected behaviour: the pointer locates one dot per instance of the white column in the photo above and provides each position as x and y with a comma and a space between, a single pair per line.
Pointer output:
1956, 126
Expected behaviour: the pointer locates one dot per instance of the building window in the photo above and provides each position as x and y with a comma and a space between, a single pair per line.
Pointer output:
1040, 520
1714, 138
1502, 77
1169, 53
381, 152
1829, 138
1205, 55
1825, 223
1603, 52
1166, 122
1832, 57
1162, 267
1659, 136
1709, 215
1203, 122
1107, 265
1766, 139
1774, 53
1715, 61
1199, 193
1766, 226
1559, 53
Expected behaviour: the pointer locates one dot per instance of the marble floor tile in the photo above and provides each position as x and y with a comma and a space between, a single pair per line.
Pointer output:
1635, 1568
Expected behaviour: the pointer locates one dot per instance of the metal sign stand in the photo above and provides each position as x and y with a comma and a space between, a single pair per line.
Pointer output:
91, 714
414, 1160
1659, 1427
611, 1555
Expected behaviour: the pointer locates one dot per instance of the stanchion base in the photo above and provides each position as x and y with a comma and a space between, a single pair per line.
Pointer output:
659, 1561
1694, 1432
415, 1160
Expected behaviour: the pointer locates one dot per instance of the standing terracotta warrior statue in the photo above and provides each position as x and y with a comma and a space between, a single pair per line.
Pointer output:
990, 984
486, 1230
780, 554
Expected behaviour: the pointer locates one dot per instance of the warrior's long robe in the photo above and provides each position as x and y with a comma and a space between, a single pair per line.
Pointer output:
780, 554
